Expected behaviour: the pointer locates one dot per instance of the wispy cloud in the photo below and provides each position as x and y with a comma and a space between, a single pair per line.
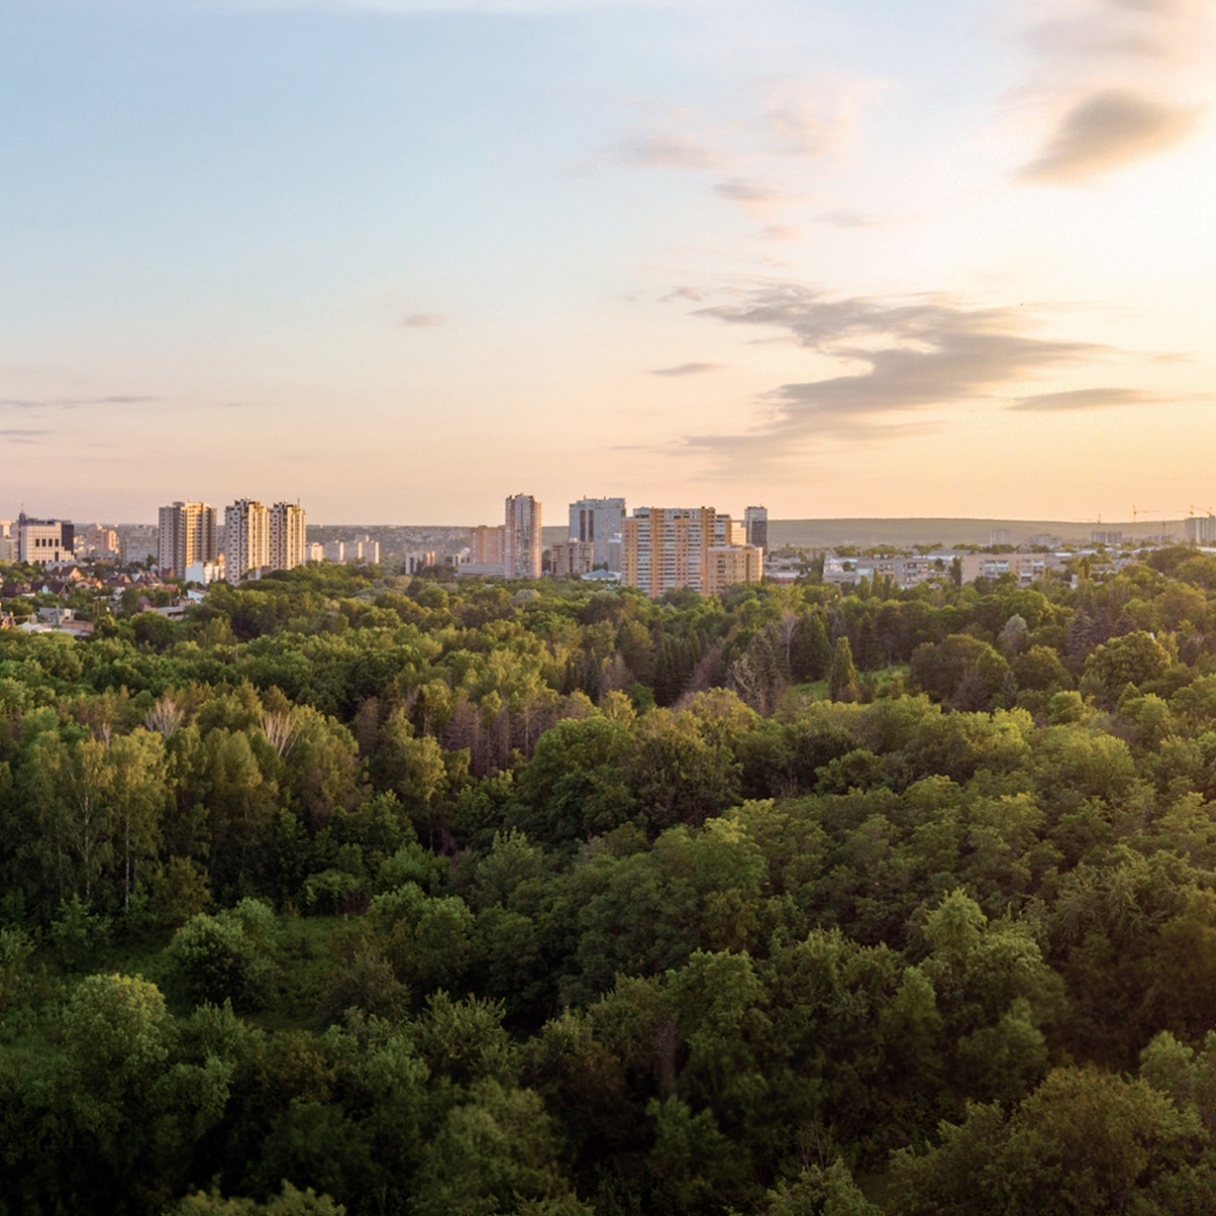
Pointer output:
1106, 131
1113, 73
914, 355
682, 293
71, 403
665, 150
1089, 399
20, 435
424, 320
687, 369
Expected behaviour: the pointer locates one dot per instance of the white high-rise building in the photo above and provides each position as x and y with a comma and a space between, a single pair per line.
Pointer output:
246, 538
186, 536
288, 536
597, 521
522, 541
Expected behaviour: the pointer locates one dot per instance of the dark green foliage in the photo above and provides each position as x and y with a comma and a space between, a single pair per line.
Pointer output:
390, 898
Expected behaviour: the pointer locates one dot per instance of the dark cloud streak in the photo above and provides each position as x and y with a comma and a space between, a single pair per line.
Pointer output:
916, 355
1105, 131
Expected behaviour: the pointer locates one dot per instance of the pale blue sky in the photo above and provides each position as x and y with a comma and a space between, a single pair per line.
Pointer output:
398, 260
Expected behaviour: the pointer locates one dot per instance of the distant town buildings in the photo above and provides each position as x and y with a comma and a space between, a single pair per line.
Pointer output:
1000, 536
1026, 568
101, 542
665, 548
597, 522
186, 536
205, 572
1200, 530
512, 549
1106, 538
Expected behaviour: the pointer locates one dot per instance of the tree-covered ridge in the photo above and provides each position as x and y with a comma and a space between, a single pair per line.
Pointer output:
376, 894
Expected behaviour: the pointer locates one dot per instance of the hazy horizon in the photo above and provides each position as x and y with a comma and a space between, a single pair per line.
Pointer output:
400, 258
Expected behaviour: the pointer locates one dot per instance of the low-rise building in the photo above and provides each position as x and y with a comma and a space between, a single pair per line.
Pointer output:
1026, 568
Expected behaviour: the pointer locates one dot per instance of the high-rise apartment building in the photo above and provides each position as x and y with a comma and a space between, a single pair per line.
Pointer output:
664, 548
597, 521
522, 544
186, 536
755, 521
487, 544
1200, 530
45, 540
288, 536
246, 538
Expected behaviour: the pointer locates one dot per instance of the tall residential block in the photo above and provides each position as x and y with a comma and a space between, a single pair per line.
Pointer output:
288, 536
246, 538
597, 521
45, 540
487, 543
755, 521
665, 548
186, 536
522, 545
1200, 530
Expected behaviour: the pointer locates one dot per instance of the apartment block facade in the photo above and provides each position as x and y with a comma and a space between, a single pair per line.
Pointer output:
1200, 530
665, 548
288, 536
597, 521
246, 538
522, 544
487, 543
187, 535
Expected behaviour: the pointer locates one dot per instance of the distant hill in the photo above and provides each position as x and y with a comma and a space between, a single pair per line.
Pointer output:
825, 533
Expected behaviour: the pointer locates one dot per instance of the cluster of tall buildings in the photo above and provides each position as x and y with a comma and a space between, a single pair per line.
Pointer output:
658, 549
667, 548
256, 537
512, 549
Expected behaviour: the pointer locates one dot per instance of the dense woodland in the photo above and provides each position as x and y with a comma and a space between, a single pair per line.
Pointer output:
356, 892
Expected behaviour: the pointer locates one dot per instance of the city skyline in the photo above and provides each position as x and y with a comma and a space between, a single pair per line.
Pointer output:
864, 259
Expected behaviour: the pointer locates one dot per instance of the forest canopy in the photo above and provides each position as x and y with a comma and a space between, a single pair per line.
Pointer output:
360, 893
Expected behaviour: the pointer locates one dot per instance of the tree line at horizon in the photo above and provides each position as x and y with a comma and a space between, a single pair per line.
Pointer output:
367, 893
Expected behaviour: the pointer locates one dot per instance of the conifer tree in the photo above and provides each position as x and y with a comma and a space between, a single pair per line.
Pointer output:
842, 679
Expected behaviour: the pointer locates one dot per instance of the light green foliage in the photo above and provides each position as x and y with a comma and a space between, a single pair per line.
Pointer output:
820, 1192
290, 1202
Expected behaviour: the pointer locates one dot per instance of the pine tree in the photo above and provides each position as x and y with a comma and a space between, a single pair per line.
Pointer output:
842, 679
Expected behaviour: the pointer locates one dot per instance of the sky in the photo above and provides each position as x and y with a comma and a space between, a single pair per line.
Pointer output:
396, 259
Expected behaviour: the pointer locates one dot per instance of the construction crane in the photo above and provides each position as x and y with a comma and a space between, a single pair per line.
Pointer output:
1137, 512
